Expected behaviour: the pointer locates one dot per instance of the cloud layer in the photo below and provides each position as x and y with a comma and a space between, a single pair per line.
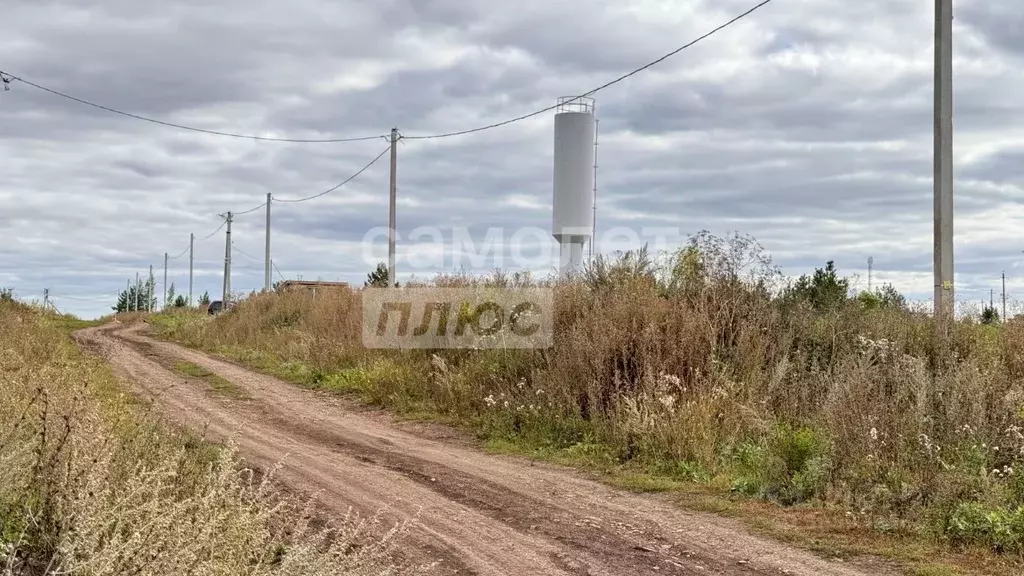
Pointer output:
807, 125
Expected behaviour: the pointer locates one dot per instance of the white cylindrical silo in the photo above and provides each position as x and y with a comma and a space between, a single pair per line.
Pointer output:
573, 200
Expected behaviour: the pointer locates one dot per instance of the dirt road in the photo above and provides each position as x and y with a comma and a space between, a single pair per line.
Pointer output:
477, 513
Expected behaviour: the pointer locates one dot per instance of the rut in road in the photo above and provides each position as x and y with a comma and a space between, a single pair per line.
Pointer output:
474, 513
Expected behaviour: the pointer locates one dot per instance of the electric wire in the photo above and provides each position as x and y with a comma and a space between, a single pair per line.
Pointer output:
183, 252
339, 185
10, 76
278, 270
85, 298
599, 88
210, 235
233, 214
240, 251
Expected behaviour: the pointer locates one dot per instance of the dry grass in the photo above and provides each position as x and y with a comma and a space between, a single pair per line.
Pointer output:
694, 369
89, 484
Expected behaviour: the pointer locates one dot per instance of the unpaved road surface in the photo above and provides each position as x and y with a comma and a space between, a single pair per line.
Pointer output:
475, 513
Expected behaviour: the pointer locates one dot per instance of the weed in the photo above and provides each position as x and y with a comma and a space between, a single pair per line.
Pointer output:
705, 367
90, 484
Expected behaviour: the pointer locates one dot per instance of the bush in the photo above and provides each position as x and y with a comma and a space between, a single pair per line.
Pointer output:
976, 523
704, 364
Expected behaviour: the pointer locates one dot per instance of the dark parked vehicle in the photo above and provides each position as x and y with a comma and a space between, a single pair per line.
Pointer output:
217, 307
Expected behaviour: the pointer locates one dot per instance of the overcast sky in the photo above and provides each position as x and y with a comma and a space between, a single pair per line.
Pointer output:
806, 125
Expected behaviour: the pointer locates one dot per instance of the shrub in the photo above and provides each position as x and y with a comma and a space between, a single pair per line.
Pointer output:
704, 364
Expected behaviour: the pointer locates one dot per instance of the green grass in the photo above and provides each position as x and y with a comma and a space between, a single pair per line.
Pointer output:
937, 570
71, 324
217, 383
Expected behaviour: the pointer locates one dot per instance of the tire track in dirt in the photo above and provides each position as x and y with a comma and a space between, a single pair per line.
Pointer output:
481, 514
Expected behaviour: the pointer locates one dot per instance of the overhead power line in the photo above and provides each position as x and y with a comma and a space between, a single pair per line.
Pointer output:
339, 185
210, 235
233, 214
8, 77
183, 252
240, 251
599, 88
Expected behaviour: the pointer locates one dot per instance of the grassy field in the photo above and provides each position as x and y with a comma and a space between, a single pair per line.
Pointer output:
92, 484
699, 373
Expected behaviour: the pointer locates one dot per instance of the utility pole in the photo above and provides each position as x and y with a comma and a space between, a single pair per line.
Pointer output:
46, 298
992, 299
227, 264
943, 163
138, 293
149, 290
191, 261
165, 279
871, 265
127, 293
593, 233
266, 261
1004, 296
391, 217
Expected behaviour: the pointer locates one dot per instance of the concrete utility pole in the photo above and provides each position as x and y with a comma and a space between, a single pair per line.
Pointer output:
391, 217
871, 265
138, 294
46, 298
943, 162
149, 290
165, 279
593, 235
191, 262
266, 261
227, 263
1004, 296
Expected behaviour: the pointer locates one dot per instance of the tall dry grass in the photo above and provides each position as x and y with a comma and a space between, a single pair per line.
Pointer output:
694, 366
91, 484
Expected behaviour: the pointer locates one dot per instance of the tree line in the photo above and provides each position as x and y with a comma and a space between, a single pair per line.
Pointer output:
142, 296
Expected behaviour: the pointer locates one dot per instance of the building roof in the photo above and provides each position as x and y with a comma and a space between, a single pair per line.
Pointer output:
312, 283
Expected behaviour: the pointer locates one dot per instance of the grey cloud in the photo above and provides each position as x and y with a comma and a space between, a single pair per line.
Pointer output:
737, 133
